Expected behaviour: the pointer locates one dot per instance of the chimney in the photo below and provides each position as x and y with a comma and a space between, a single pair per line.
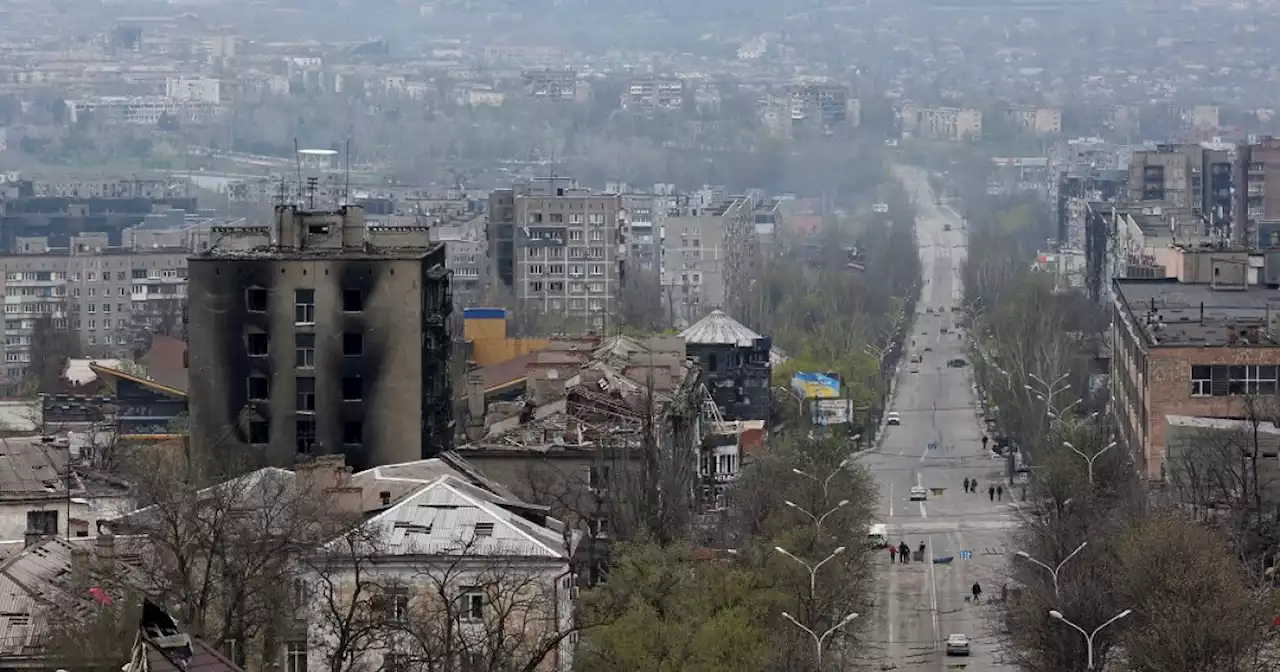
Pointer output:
31, 538
105, 546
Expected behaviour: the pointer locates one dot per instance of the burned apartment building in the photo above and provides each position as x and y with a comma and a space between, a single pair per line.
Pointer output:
736, 364
320, 334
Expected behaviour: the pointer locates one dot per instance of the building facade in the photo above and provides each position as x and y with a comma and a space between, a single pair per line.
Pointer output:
318, 334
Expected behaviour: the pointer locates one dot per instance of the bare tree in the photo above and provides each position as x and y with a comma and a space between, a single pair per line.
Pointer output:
346, 602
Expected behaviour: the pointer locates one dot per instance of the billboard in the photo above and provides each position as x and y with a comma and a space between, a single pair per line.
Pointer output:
815, 385
827, 412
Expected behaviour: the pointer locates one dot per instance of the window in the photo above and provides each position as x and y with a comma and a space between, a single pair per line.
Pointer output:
295, 657
42, 522
1201, 381
141, 274
535, 269
259, 388
353, 432
395, 662
259, 432
306, 386
352, 388
304, 350
599, 573
93, 308
255, 344
301, 593
352, 344
598, 478
397, 603
304, 306
352, 301
484, 529
575, 234
472, 605
599, 527
255, 298
305, 431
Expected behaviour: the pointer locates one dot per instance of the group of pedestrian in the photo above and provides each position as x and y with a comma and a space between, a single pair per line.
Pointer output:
902, 553
993, 491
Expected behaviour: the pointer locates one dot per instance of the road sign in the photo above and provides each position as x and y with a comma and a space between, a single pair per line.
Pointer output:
966, 555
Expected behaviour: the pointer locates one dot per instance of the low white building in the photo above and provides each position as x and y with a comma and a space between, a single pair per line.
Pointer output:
459, 575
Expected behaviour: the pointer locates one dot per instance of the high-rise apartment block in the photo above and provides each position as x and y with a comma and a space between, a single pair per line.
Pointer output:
321, 334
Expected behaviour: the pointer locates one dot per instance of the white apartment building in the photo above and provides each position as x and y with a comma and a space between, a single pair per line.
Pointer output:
941, 123
193, 89
143, 110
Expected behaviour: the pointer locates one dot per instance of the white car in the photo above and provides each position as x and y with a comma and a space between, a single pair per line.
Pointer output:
919, 493
915, 370
893, 419
958, 645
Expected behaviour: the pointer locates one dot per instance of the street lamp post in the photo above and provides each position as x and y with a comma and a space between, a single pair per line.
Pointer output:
824, 482
817, 520
813, 569
819, 640
1054, 571
1088, 636
1089, 458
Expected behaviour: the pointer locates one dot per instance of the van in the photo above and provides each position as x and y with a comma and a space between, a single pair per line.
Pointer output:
878, 536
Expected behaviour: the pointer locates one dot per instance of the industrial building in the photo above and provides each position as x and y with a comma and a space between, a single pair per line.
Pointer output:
319, 334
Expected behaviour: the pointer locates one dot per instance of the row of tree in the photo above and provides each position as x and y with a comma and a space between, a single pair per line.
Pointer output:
1110, 574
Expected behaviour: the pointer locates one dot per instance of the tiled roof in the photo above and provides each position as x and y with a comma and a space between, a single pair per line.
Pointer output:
719, 329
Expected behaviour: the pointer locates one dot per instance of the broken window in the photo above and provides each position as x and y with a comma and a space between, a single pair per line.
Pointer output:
255, 299
42, 522
352, 301
304, 306
259, 388
352, 388
259, 432
304, 356
353, 432
352, 344
256, 343
306, 394
305, 431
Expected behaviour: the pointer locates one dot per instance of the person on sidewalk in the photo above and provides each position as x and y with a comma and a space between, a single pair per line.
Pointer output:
893, 554
966, 484
991, 492
1000, 492
904, 553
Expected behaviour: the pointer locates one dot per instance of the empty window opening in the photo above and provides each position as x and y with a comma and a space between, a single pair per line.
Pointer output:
255, 299
352, 301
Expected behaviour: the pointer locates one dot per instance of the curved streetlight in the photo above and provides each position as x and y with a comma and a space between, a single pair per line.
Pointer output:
817, 520
819, 640
1088, 636
1053, 571
824, 482
1089, 458
813, 569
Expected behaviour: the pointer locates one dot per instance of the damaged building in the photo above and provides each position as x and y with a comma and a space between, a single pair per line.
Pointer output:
320, 334
599, 430
737, 365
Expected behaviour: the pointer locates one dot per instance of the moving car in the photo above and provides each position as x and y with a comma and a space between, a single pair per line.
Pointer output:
956, 363
915, 370
919, 493
928, 349
957, 645
916, 359
893, 419
878, 536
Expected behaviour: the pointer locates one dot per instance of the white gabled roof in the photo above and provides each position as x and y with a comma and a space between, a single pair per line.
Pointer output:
442, 517
719, 329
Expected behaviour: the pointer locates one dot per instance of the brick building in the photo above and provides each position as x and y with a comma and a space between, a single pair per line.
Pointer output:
1201, 350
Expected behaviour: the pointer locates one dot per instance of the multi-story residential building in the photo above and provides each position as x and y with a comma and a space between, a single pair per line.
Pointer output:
1035, 120
551, 84
1186, 178
319, 334
704, 252
1201, 349
646, 215
113, 298
465, 255
568, 252
822, 105
654, 94
941, 123
1257, 191
27, 213
143, 110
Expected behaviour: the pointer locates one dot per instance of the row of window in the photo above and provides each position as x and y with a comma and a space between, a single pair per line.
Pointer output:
295, 658
559, 252
259, 389
304, 431
558, 218
304, 302
1221, 380
94, 276
258, 344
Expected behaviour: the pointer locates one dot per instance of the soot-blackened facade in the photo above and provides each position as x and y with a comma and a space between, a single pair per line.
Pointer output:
319, 335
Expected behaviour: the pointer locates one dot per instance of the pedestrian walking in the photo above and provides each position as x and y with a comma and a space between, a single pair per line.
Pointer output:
966, 484
984, 441
893, 554
1000, 493
977, 591
991, 492
921, 551
904, 553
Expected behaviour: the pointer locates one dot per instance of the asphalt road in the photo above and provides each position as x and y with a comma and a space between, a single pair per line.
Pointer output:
921, 603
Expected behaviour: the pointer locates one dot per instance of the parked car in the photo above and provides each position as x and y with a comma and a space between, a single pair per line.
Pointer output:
957, 363
957, 645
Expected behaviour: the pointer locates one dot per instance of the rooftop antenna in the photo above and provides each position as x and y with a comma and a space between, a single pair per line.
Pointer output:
346, 178
297, 157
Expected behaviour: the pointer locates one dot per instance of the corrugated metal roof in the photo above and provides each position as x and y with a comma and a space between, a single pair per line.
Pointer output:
441, 518
719, 329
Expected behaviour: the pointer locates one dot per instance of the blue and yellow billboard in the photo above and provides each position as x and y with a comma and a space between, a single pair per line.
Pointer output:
815, 385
